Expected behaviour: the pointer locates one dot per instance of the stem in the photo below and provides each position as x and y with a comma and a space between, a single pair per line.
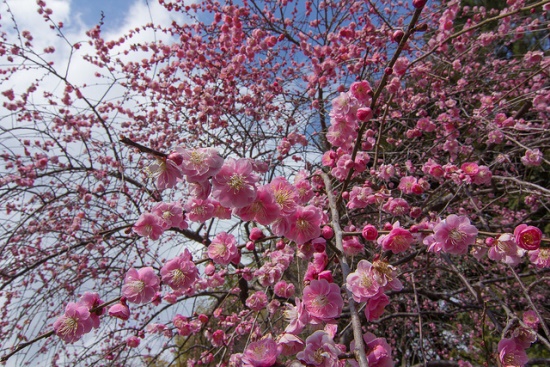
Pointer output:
359, 350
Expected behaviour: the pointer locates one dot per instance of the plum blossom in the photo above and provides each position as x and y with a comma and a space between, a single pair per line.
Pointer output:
92, 300
149, 225
263, 210
140, 286
297, 316
540, 258
320, 350
398, 240
532, 158
285, 195
262, 353
234, 186
120, 310
322, 300
257, 301
223, 248
74, 323
506, 250
455, 234
200, 164
166, 172
375, 306
170, 214
199, 210
528, 237
511, 354
289, 344
304, 224
180, 273
361, 282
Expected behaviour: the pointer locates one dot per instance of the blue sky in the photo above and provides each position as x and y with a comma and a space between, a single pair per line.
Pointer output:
114, 10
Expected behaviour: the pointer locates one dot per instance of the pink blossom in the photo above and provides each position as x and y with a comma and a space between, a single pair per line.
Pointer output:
170, 214
284, 289
234, 186
359, 197
361, 282
532, 158
120, 310
290, 344
132, 341
74, 323
396, 206
320, 350
378, 351
385, 275
483, 176
285, 195
528, 237
323, 300
223, 248
369, 232
149, 225
166, 172
455, 234
352, 246
511, 354
531, 319
263, 210
398, 240
199, 210
361, 91
297, 317
262, 353
304, 224
540, 258
506, 250
257, 301
92, 300
140, 286
180, 273
200, 164
218, 338
375, 306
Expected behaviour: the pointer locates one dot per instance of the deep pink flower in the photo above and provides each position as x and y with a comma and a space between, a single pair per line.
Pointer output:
290, 344
361, 282
120, 310
320, 350
262, 353
540, 257
223, 248
263, 210
74, 323
369, 232
528, 237
361, 91
257, 301
234, 186
532, 158
531, 319
396, 206
455, 234
284, 289
180, 273
385, 275
92, 300
285, 195
511, 354
398, 240
199, 210
149, 225
132, 341
305, 224
352, 246
323, 300
140, 286
375, 306
200, 164
378, 351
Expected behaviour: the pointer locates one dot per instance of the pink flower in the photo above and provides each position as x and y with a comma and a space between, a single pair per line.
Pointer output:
532, 158
385, 275
305, 224
91, 301
297, 317
257, 301
74, 323
511, 354
396, 206
528, 237
285, 195
120, 310
166, 172
361, 282
379, 351
263, 210
455, 234
361, 91
149, 225
290, 344
234, 185
199, 210
398, 240
540, 257
180, 273
352, 246
375, 306
323, 300
262, 353
284, 289
132, 341
200, 164
170, 214
506, 250
531, 319
369, 232
140, 286
320, 351
223, 248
